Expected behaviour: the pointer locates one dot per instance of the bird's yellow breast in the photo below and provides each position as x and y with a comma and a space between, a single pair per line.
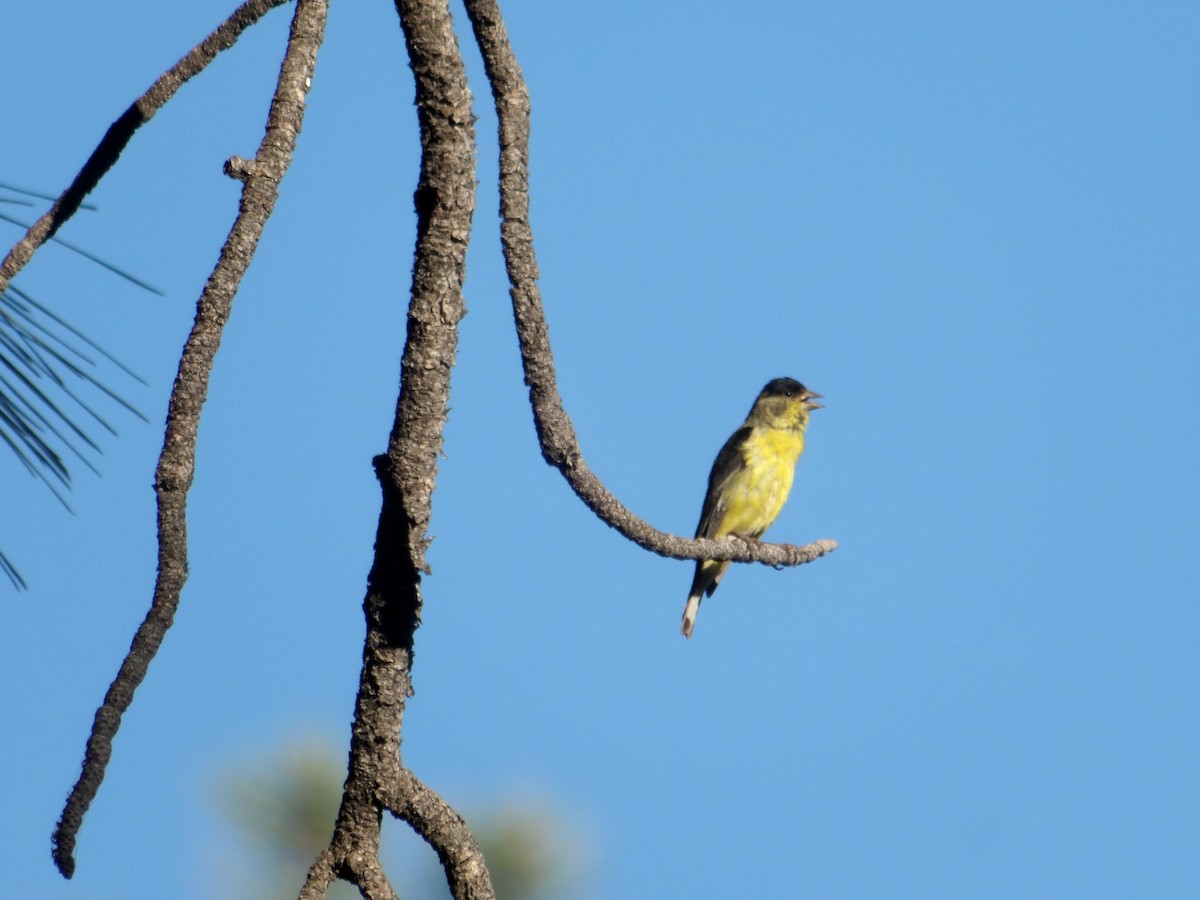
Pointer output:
756, 494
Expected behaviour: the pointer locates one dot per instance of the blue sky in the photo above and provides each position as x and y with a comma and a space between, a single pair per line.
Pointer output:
973, 227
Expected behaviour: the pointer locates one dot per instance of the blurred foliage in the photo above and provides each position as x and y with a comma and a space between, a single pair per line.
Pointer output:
284, 810
526, 852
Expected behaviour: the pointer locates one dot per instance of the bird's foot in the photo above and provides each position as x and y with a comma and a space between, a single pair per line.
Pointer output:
752, 543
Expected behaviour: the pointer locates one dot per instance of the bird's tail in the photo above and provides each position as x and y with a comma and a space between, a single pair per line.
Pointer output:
689, 614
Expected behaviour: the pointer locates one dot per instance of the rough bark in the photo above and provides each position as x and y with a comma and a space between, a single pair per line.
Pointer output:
444, 201
176, 464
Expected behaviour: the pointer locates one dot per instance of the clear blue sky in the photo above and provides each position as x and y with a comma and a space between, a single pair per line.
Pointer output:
973, 227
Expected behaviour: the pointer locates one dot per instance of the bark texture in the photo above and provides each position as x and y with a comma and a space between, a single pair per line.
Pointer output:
445, 202
176, 464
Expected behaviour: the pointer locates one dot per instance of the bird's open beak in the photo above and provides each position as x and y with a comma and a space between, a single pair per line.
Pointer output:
809, 397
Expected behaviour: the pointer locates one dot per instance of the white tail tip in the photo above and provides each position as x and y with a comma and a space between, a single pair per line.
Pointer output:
689, 616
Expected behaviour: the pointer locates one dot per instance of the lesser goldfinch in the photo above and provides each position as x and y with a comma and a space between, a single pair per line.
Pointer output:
751, 478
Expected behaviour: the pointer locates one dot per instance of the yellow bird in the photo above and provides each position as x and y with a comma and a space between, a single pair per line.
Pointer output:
751, 478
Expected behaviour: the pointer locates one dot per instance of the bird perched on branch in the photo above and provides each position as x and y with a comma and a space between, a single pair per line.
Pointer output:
751, 478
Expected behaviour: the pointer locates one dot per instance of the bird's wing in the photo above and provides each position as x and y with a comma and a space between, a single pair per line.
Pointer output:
727, 464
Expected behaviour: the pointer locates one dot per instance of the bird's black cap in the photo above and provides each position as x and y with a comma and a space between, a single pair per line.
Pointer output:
783, 387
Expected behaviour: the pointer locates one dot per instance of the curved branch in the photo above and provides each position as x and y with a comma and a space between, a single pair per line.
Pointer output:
122, 130
177, 462
433, 819
556, 434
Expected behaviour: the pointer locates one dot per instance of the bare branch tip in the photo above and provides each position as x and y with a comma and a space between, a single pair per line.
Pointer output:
64, 852
241, 169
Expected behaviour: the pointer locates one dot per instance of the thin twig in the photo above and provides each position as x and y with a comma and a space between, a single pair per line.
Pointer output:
177, 462
556, 434
122, 130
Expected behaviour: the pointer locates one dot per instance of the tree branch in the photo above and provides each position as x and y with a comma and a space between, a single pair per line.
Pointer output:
105, 156
445, 202
433, 819
556, 434
177, 462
